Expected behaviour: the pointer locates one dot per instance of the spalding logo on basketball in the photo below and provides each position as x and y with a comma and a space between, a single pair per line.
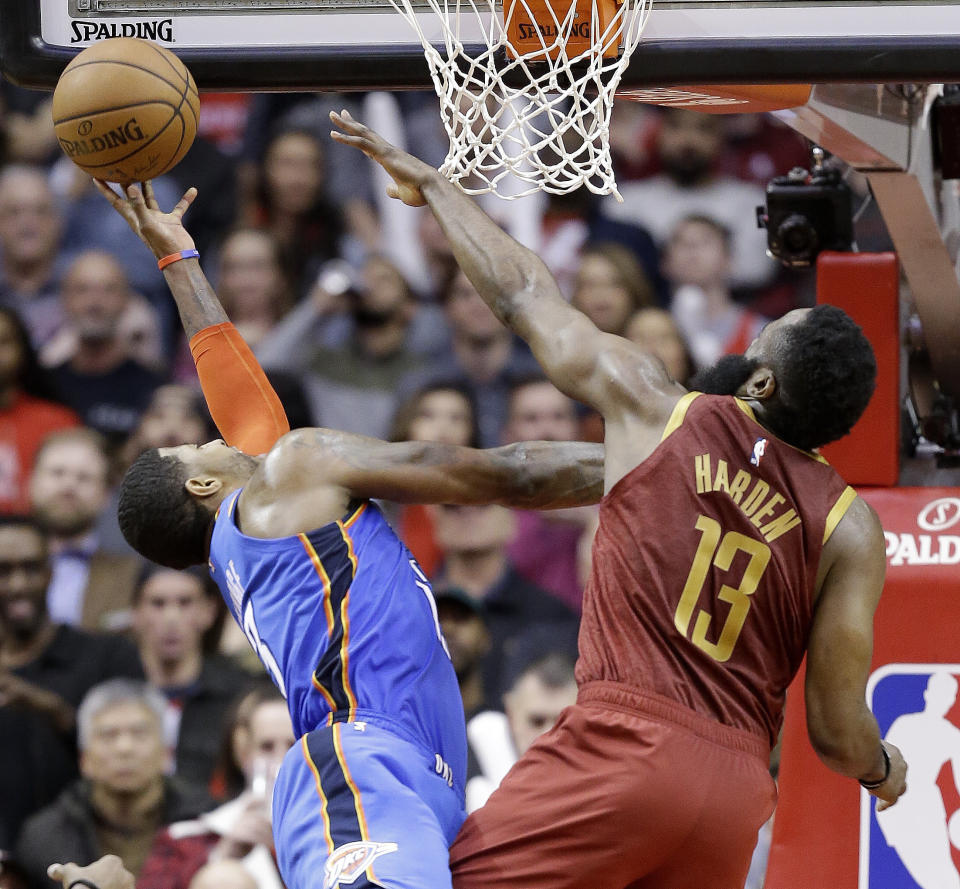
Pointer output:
126, 110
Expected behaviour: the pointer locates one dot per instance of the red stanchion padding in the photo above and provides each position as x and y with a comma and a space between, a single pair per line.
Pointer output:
866, 286
826, 832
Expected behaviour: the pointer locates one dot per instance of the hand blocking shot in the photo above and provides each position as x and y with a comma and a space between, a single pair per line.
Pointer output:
727, 550
335, 606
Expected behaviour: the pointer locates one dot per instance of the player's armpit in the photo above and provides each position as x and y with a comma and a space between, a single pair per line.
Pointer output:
242, 402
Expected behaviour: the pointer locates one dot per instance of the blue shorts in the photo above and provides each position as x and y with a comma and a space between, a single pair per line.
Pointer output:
357, 806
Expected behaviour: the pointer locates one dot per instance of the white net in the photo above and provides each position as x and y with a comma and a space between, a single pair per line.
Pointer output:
531, 110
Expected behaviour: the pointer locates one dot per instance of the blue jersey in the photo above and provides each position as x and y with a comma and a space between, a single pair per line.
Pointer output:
345, 623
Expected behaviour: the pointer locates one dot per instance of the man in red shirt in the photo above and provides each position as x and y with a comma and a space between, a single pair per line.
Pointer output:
726, 549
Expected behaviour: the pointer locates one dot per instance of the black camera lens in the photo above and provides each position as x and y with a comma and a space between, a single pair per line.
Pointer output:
797, 239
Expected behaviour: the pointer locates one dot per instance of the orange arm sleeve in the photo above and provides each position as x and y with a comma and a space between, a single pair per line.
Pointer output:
242, 402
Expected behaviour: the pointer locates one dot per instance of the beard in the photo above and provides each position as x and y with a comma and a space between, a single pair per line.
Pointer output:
726, 376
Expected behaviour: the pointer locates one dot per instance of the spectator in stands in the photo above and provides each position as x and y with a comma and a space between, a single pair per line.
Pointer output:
468, 641
123, 798
100, 380
610, 286
544, 549
484, 357
475, 559
29, 411
442, 412
68, 494
332, 315
532, 704
292, 204
26, 120
239, 830
172, 610
697, 265
655, 330
689, 145
351, 381
251, 283
30, 227
45, 671
572, 222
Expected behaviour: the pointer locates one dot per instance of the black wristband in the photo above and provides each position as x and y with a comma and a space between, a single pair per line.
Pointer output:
82, 882
873, 785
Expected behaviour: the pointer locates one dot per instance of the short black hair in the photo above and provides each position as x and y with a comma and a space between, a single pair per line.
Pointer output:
827, 373
158, 517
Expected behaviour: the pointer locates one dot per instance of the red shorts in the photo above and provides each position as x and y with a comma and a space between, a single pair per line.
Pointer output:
628, 791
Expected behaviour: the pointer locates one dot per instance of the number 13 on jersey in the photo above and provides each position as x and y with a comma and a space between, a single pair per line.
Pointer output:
717, 550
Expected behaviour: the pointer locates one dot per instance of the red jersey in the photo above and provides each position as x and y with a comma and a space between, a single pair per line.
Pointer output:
705, 563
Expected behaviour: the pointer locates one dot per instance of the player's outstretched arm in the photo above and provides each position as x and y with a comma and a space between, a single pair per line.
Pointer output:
842, 729
242, 402
531, 475
164, 234
581, 360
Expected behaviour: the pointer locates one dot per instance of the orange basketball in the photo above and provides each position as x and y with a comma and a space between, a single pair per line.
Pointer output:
125, 110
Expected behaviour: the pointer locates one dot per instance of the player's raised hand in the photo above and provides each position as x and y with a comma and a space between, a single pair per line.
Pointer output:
162, 232
409, 173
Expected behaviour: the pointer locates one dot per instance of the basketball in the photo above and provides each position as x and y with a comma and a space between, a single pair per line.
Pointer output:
125, 110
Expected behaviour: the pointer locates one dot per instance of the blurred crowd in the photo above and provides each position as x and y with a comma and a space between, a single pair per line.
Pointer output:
133, 718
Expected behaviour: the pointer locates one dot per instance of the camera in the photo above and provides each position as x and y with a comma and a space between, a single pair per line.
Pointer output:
807, 212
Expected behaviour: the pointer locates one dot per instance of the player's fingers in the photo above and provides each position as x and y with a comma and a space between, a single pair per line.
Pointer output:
184, 203
393, 191
105, 189
135, 200
149, 195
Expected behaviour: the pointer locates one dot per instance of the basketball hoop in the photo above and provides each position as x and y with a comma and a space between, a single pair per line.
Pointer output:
531, 111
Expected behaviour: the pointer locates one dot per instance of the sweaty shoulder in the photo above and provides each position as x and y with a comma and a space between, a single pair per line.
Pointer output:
296, 487
636, 382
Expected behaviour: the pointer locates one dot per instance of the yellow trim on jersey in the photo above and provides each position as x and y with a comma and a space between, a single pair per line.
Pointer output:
323, 797
324, 579
326, 695
678, 413
838, 511
344, 612
354, 517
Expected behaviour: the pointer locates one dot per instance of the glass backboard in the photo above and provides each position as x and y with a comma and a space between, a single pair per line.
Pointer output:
361, 44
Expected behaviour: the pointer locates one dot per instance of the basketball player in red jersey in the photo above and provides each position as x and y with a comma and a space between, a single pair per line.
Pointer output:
727, 548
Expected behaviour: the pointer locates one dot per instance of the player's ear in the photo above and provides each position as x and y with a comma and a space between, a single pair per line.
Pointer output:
761, 385
202, 486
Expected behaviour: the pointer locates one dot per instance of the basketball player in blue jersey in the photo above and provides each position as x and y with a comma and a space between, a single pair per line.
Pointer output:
339, 612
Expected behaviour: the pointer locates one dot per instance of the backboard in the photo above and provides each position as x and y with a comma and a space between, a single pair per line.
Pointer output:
363, 44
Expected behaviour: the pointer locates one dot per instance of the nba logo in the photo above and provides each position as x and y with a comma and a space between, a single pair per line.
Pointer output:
916, 843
